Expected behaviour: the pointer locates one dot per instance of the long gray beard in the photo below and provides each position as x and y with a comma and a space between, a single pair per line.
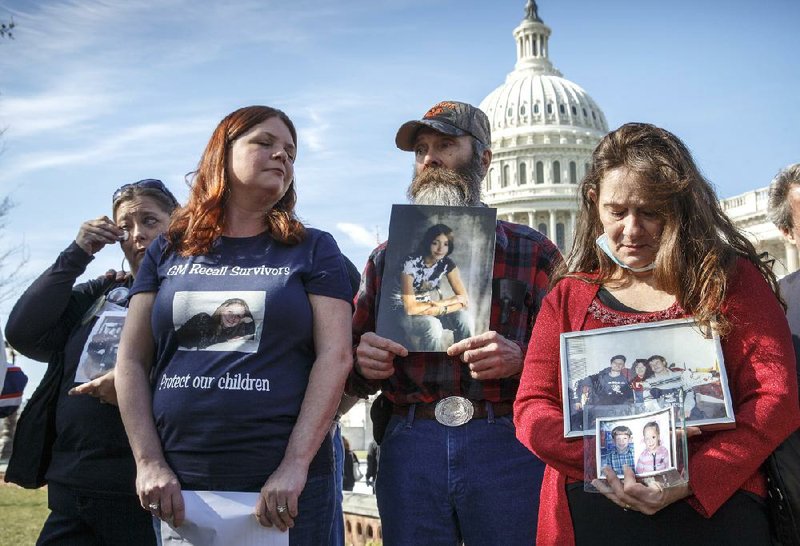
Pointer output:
445, 187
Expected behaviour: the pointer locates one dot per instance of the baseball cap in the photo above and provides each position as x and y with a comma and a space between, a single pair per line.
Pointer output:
448, 117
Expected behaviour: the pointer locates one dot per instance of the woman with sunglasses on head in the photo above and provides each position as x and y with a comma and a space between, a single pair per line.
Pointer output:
652, 243
253, 417
91, 474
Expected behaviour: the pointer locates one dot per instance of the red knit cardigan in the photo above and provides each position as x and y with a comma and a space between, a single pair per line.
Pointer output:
760, 362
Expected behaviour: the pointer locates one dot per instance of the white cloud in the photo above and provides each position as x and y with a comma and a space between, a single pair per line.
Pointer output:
141, 141
52, 110
314, 134
78, 62
162, 32
357, 234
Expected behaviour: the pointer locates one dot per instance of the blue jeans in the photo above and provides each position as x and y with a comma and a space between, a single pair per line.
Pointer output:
90, 519
430, 329
440, 485
312, 526
337, 529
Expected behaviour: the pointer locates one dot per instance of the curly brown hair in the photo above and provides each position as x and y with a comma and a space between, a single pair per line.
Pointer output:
699, 244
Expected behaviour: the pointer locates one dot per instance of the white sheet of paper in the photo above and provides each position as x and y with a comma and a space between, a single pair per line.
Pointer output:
221, 518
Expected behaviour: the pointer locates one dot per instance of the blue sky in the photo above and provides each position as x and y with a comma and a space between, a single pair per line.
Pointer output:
97, 93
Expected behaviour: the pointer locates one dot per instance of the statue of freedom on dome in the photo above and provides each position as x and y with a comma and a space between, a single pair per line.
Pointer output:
532, 11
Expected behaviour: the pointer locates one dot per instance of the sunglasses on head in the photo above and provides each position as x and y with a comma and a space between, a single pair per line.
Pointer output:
151, 183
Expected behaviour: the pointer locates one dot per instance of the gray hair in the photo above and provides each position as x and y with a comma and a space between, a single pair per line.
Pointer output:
779, 210
460, 187
478, 148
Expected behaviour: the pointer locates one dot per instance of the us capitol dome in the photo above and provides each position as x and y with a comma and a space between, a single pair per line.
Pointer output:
544, 128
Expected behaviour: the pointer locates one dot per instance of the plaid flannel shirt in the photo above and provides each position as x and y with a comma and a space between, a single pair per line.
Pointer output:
522, 254
616, 460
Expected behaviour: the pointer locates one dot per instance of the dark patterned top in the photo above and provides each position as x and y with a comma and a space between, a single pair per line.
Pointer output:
611, 317
424, 278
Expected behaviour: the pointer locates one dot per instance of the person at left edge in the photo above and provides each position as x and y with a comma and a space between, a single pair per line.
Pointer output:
253, 416
91, 475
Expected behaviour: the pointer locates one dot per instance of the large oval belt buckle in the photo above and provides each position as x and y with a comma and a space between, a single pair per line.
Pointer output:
454, 411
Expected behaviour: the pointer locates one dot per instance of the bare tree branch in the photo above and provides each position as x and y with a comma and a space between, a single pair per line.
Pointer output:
12, 260
6, 28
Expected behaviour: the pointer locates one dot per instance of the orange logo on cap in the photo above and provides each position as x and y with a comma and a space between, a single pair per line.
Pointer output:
439, 109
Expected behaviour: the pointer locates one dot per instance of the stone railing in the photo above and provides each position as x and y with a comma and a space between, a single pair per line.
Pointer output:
747, 203
531, 191
362, 524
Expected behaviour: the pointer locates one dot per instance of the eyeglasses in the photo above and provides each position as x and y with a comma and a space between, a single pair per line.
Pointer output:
151, 183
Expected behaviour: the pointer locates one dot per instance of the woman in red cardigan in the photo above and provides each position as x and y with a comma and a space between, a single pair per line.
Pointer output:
652, 243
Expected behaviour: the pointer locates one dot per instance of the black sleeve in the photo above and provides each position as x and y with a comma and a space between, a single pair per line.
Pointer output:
353, 274
348, 465
44, 316
372, 463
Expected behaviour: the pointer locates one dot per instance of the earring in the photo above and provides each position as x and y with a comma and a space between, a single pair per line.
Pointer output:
122, 265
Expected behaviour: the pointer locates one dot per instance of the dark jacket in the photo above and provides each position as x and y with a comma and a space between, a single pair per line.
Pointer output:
51, 323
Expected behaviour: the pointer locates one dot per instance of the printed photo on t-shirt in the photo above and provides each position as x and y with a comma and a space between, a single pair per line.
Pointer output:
99, 354
218, 321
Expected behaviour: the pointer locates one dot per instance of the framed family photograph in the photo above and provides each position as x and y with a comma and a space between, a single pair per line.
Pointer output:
437, 278
645, 442
643, 367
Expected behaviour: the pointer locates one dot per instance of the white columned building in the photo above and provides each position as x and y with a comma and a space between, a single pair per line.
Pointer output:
749, 212
544, 128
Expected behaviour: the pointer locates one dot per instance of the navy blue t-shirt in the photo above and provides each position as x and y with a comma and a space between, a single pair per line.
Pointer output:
234, 350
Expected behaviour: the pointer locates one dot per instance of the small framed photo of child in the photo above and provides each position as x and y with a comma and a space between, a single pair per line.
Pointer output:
645, 442
632, 369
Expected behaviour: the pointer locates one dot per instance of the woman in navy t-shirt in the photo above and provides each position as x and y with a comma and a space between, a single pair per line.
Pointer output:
248, 412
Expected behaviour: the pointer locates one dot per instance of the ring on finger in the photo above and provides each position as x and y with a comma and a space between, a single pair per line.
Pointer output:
154, 506
282, 508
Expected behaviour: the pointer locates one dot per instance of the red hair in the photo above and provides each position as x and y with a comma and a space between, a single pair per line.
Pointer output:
196, 226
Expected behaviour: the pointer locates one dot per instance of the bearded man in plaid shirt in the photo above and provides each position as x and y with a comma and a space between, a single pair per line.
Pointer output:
451, 468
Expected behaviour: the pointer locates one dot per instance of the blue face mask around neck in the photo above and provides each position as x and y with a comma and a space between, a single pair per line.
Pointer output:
602, 242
